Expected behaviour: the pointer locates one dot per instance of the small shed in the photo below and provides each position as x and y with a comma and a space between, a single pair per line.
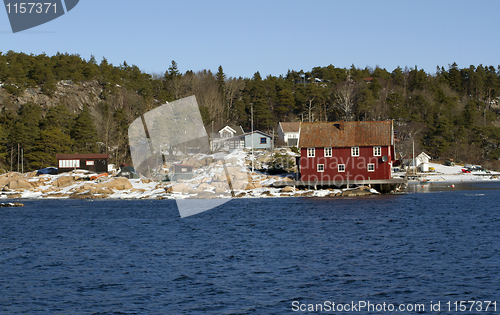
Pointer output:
97, 163
183, 171
421, 161
128, 172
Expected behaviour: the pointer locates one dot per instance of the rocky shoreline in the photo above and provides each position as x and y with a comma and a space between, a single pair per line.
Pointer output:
213, 177
75, 185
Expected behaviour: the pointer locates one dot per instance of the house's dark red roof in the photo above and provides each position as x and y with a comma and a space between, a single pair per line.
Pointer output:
345, 134
82, 156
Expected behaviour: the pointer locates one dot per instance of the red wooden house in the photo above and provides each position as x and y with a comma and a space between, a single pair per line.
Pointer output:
346, 151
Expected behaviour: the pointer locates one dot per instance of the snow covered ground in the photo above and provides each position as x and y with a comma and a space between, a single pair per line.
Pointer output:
453, 174
213, 179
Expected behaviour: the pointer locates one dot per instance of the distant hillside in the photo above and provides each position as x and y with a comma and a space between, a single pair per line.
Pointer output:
74, 96
64, 103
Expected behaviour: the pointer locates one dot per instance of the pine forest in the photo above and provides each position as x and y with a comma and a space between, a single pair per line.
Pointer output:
66, 104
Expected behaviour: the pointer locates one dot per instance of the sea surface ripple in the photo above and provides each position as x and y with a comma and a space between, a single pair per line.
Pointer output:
250, 256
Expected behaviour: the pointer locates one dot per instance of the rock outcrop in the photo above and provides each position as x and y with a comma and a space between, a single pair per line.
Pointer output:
19, 184
120, 183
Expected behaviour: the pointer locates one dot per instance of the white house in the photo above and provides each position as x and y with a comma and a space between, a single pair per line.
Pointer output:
230, 131
288, 133
218, 139
421, 161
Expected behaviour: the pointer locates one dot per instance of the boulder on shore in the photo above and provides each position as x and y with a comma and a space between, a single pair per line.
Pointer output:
360, 191
63, 181
178, 188
288, 189
119, 183
87, 196
251, 186
19, 184
12, 204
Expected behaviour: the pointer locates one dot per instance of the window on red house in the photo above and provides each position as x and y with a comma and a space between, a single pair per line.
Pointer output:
328, 152
310, 152
355, 151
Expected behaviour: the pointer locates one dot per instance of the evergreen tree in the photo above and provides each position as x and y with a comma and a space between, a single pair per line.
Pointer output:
59, 117
84, 134
221, 80
286, 103
375, 87
90, 69
364, 103
52, 141
26, 130
455, 78
173, 71
262, 114
398, 76
397, 110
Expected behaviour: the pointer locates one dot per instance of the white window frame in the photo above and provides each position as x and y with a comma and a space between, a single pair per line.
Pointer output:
341, 168
311, 152
320, 168
377, 151
328, 152
89, 163
69, 163
372, 167
354, 151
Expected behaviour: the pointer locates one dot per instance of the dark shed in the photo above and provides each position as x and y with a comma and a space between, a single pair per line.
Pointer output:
97, 163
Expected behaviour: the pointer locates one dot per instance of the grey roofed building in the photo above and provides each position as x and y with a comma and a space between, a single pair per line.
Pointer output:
261, 140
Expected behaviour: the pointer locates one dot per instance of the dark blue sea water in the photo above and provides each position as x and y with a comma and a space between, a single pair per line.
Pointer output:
253, 256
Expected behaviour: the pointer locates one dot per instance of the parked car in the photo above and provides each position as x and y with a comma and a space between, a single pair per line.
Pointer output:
449, 163
47, 170
128, 172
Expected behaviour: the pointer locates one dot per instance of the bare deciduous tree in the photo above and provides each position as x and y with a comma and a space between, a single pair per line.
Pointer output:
344, 95
233, 90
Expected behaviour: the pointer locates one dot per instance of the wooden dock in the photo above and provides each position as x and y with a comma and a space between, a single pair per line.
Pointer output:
381, 185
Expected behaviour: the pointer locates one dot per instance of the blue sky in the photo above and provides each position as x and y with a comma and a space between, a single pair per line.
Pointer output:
269, 36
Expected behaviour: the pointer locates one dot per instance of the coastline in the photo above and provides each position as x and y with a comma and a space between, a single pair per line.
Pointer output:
452, 174
73, 186
76, 185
